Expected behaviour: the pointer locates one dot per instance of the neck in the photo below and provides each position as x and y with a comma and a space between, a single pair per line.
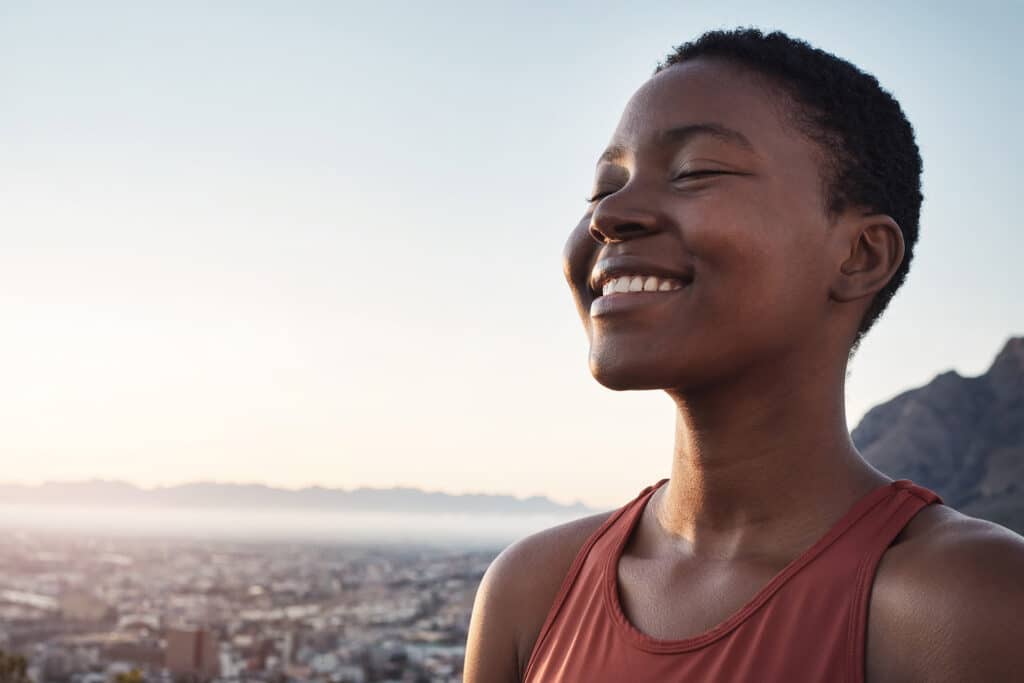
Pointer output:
761, 461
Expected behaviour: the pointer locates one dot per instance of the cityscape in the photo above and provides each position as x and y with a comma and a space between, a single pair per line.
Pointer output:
97, 609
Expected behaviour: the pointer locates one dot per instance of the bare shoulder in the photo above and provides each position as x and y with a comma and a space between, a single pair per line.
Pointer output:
946, 602
515, 595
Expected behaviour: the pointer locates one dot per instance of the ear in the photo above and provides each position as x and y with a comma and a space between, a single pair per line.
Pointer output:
871, 250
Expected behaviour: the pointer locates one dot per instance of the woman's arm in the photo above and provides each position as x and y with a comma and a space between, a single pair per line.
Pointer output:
515, 595
492, 645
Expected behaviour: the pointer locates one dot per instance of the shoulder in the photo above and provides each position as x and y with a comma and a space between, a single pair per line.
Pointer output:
946, 602
515, 595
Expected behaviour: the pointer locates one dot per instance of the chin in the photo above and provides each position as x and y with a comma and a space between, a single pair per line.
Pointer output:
628, 374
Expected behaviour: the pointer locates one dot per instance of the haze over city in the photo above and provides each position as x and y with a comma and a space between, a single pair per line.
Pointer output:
319, 243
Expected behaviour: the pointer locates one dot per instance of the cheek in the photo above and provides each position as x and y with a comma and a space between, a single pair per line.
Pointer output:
749, 261
578, 257
731, 239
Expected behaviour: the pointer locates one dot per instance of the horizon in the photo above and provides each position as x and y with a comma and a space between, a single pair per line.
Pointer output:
340, 489
313, 486
316, 244
150, 486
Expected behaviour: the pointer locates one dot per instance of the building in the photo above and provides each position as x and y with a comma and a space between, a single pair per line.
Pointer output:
192, 651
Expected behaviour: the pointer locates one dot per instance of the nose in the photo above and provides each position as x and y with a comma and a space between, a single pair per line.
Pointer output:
613, 220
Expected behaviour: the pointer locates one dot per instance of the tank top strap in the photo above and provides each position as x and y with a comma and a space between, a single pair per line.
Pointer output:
875, 521
893, 516
625, 517
616, 524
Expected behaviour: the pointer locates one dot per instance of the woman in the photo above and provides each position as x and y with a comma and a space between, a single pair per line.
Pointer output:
753, 215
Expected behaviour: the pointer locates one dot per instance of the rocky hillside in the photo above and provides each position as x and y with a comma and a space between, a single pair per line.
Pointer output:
962, 437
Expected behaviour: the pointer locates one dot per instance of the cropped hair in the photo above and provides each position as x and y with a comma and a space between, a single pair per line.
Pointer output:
871, 159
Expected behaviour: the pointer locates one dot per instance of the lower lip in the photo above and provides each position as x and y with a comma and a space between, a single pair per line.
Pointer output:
621, 302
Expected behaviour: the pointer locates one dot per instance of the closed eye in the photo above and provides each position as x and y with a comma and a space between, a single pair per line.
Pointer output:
698, 174
689, 175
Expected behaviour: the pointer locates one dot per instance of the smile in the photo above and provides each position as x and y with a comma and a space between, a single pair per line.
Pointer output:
627, 293
625, 284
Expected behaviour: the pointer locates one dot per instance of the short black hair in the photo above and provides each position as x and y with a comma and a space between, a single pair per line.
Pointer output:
871, 157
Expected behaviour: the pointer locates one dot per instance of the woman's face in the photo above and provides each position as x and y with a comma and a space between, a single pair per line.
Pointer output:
705, 185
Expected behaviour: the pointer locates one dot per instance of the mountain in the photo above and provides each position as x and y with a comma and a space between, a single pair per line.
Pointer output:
206, 495
962, 437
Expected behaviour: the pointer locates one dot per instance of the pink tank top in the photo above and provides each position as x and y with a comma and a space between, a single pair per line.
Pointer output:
807, 624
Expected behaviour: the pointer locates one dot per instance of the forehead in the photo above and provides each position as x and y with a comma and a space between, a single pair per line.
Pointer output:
706, 91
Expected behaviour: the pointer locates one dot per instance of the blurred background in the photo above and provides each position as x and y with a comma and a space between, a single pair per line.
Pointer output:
292, 271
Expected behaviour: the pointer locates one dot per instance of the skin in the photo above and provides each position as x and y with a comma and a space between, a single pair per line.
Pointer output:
754, 355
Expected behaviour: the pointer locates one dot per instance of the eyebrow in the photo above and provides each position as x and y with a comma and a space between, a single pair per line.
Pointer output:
682, 135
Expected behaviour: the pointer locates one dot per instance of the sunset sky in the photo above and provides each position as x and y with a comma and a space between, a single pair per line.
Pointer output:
319, 242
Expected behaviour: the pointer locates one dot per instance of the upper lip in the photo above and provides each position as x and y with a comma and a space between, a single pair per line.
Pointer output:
614, 266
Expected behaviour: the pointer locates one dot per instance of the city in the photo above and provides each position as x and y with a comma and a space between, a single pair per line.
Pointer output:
86, 610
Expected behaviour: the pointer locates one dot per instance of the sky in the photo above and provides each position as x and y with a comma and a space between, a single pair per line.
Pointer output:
318, 243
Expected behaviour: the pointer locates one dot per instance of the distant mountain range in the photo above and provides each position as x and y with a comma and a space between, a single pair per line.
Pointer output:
215, 495
962, 437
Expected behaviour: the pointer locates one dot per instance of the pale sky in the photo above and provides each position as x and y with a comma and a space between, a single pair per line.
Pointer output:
308, 243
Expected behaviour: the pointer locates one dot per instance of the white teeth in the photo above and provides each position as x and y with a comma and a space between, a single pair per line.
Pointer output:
640, 283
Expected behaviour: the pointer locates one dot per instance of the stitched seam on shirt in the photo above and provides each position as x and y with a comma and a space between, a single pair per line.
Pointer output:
640, 640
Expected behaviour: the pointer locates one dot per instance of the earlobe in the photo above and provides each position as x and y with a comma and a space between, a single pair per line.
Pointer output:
874, 253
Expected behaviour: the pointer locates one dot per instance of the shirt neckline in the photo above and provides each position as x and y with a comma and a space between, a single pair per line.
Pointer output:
649, 643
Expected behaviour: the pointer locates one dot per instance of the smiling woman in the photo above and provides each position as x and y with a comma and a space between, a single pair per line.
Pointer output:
754, 213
